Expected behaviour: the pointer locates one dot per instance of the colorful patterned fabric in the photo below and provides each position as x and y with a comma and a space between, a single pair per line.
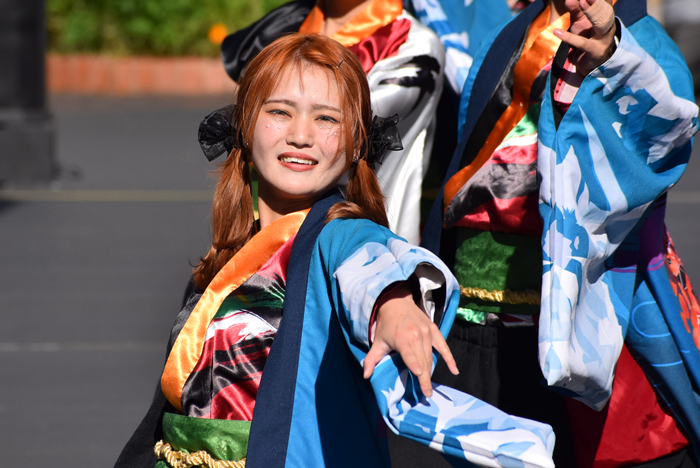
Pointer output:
536, 50
382, 44
408, 84
376, 15
222, 439
189, 341
224, 384
498, 261
502, 195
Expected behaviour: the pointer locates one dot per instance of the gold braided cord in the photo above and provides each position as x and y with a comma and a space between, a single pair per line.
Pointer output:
180, 459
527, 296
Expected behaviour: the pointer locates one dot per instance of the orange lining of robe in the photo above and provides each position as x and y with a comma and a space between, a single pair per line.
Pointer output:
189, 344
540, 46
377, 14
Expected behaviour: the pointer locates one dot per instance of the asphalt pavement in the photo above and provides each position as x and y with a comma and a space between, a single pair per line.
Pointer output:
92, 273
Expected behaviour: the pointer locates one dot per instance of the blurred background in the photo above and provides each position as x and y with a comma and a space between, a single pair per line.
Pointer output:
105, 199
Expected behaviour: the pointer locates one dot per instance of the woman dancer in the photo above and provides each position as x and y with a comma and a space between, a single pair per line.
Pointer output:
270, 363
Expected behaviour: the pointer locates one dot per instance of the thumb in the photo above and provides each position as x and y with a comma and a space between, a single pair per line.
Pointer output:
600, 13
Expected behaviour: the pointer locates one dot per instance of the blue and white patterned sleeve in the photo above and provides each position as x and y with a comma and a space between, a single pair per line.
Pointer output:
466, 430
623, 142
375, 266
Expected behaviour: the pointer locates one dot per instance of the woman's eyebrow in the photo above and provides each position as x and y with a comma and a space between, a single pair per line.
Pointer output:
281, 101
326, 107
294, 104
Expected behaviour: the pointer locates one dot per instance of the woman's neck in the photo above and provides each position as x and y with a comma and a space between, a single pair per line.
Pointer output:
270, 210
338, 12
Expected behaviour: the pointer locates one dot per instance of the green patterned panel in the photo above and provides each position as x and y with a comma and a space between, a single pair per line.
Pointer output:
222, 439
497, 261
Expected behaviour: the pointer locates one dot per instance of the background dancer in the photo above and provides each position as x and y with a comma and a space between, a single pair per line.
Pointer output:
551, 217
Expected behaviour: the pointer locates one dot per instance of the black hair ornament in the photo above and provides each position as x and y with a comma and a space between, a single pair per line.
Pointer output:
383, 136
218, 137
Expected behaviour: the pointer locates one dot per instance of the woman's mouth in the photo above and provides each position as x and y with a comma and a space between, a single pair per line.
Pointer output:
297, 162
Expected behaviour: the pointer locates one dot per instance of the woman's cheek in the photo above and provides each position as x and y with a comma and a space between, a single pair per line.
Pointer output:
274, 124
330, 135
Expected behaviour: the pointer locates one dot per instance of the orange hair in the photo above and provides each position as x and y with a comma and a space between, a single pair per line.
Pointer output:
233, 223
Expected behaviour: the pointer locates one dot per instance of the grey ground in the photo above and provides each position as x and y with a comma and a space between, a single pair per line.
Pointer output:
89, 286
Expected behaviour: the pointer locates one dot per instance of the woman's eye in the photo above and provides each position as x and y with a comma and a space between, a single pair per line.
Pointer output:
327, 118
278, 112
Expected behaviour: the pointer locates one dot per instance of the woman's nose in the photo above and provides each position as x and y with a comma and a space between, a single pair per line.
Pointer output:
300, 133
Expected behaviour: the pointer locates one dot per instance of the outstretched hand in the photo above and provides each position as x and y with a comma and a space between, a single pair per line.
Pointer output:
592, 33
404, 327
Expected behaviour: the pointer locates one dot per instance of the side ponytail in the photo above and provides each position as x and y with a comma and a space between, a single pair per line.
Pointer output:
233, 219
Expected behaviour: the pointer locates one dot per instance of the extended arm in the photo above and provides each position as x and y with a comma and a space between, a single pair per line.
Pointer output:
456, 424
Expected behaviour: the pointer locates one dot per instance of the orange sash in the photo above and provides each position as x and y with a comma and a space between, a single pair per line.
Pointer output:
379, 13
539, 48
187, 349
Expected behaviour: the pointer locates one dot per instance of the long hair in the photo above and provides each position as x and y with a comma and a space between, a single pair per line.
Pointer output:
233, 222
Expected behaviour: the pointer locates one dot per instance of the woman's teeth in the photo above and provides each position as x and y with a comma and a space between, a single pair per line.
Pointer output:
289, 159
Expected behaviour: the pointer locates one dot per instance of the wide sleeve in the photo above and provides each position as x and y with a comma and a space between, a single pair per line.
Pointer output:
624, 141
364, 259
376, 265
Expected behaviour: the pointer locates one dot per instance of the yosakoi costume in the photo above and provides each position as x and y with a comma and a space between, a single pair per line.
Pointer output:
404, 62
461, 27
551, 216
266, 363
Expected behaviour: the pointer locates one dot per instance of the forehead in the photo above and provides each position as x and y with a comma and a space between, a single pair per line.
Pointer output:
306, 82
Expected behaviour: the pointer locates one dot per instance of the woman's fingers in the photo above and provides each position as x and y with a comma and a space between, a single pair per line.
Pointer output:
440, 345
402, 326
426, 360
415, 345
416, 350
592, 34
416, 355
574, 40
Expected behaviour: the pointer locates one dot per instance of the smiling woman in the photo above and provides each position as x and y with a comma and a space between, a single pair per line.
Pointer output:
279, 358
